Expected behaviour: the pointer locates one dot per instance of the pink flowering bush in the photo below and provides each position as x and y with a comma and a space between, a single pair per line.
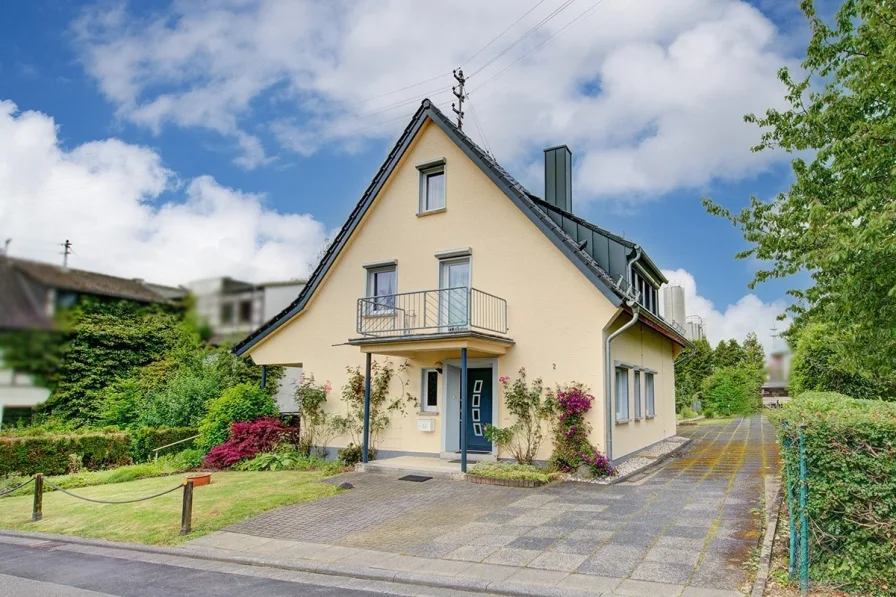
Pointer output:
531, 408
571, 445
246, 440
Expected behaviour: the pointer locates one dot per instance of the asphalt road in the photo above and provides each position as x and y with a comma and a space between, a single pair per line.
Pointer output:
39, 572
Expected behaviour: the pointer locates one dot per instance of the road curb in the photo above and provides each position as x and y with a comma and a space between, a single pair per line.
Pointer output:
772, 511
408, 578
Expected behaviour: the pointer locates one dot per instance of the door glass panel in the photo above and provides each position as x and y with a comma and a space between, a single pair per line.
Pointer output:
455, 282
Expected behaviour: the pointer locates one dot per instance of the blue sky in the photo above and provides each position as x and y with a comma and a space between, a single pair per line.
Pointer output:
227, 113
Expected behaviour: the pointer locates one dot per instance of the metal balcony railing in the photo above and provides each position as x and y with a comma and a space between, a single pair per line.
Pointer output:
431, 312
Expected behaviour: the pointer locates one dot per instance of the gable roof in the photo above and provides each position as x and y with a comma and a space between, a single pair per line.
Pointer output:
23, 307
529, 204
85, 282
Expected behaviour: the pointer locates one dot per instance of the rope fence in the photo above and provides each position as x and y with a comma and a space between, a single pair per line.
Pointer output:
186, 519
17, 487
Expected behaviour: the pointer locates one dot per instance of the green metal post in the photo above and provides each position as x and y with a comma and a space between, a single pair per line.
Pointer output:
788, 470
37, 512
804, 517
366, 446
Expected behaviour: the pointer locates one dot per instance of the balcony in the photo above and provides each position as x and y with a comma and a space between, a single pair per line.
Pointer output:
427, 313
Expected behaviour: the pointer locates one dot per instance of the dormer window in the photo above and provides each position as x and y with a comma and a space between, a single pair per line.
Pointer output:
432, 187
648, 292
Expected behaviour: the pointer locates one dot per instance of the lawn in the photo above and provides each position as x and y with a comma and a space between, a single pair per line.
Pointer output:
231, 497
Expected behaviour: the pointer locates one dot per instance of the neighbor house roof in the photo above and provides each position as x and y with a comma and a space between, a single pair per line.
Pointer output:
581, 256
85, 282
22, 306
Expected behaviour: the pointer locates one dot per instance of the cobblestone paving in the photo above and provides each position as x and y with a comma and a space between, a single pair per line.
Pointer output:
694, 522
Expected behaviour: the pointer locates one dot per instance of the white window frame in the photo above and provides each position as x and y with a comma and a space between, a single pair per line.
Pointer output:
427, 170
650, 393
618, 397
424, 391
637, 394
374, 308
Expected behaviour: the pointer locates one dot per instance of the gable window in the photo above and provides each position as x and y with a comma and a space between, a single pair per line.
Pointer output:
648, 391
430, 393
621, 394
381, 284
432, 187
637, 389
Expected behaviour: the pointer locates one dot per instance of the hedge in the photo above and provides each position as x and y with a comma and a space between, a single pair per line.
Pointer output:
851, 478
146, 439
49, 454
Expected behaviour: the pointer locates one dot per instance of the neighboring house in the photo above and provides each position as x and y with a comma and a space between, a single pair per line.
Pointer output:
776, 391
233, 308
30, 294
448, 261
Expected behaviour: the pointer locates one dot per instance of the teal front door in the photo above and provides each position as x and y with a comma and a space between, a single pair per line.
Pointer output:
479, 409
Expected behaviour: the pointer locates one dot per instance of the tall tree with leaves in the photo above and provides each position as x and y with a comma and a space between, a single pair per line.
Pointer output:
754, 353
838, 219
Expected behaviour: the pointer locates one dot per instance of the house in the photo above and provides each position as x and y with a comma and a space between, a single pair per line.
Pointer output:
449, 264
233, 308
31, 292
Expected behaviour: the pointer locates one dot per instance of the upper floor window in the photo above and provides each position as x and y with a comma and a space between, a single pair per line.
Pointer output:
381, 284
648, 292
432, 187
245, 311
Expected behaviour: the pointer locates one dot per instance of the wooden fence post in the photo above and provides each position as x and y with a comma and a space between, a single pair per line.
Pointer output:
37, 511
186, 515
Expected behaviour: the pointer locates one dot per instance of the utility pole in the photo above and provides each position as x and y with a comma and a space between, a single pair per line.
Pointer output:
6, 246
459, 94
67, 249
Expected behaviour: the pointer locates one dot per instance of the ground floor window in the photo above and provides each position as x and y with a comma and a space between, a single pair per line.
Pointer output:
648, 391
430, 391
621, 394
637, 389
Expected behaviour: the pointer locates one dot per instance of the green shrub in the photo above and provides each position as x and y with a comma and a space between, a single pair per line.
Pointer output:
286, 459
732, 391
146, 439
851, 465
512, 470
352, 455
49, 454
184, 460
243, 402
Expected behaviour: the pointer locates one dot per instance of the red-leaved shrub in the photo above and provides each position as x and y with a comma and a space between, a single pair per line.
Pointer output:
245, 441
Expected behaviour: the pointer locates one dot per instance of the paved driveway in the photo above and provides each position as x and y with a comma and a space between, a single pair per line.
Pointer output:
693, 522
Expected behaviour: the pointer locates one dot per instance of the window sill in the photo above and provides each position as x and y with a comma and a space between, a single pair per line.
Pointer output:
623, 421
651, 416
428, 413
431, 212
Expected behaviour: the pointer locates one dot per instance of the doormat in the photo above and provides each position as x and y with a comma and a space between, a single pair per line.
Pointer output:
414, 478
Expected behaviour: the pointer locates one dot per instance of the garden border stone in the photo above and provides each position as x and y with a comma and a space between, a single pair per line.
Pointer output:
503, 482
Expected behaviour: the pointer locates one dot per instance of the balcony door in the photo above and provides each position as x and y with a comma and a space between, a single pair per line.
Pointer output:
454, 293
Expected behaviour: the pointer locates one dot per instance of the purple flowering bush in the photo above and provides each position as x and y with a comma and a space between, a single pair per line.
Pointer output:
571, 445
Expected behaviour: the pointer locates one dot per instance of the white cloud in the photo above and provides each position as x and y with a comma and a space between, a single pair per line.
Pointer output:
748, 314
650, 95
113, 201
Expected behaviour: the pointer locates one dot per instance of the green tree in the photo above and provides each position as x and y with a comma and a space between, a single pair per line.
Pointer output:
691, 368
728, 354
754, 353
732, 391
838, 219
240, 403
819, 364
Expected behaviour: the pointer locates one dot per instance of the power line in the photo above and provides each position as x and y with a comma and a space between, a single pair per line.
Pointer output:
552, 36
479, 126
556, 11
448, 74
497, 37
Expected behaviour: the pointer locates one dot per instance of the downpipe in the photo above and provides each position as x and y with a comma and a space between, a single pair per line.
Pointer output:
636, 310
608, 364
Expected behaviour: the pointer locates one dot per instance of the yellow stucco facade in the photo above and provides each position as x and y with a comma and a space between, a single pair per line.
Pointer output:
557, 318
